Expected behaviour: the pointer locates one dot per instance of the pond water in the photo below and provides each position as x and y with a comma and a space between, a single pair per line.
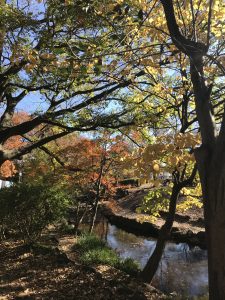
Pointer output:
182, 269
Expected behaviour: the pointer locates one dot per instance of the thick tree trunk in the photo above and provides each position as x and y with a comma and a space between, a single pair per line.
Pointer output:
152, 265
215, 229
216, 257
211, 165
210, 156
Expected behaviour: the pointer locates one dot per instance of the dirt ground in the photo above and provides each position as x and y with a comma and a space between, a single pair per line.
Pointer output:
44, 274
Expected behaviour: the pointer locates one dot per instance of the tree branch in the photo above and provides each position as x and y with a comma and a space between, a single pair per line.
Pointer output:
17, 153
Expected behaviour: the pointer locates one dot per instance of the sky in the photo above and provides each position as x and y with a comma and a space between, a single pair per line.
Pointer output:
32, 102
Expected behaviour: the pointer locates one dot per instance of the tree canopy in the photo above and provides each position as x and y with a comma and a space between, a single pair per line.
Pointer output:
59, 56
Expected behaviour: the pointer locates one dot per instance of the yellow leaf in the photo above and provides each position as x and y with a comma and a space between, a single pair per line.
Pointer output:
156, 168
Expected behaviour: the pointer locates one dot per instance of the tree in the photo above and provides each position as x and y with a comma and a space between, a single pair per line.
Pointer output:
210, 156
54, 53
169, 155
87, 168
9, 169
188, 35
192, 31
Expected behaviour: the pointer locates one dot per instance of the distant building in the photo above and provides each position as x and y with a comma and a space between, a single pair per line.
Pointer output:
5, 183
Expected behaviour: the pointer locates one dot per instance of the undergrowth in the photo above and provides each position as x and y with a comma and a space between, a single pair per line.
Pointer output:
93, 250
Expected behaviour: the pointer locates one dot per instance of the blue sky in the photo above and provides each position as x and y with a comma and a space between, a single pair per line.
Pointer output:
31, 103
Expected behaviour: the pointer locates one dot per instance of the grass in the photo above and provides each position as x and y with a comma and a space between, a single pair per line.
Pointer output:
88, 242
93, 250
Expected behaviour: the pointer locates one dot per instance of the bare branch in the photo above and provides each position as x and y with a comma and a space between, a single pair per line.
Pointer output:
209, 23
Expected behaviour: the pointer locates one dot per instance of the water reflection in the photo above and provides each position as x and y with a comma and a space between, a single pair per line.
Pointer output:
182, 269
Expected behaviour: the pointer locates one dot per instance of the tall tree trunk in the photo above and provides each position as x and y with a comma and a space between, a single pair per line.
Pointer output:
212, 174
216, 255
152, 265
210, 156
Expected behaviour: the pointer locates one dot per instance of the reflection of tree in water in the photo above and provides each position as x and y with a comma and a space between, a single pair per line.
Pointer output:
178, 272
103, 228
170, 278
193, 254
182, 269
186, 252
100, 228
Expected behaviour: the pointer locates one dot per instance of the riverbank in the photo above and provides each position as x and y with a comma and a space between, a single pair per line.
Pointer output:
188, 227
51, 271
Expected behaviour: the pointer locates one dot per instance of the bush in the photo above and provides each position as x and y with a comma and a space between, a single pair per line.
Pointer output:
88, 242
26, 209
100, 256
66, 228
93, 250
129, 266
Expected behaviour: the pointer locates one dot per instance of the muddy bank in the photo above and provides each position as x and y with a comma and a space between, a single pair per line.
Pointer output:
187, 228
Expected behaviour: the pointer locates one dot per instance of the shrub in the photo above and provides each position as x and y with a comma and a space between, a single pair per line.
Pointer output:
88, 242
100, 256
66, 228
26, 209
93, 250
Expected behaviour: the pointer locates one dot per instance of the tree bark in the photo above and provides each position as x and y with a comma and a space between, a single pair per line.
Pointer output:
210, 156
216, 255
212, 174
152, 265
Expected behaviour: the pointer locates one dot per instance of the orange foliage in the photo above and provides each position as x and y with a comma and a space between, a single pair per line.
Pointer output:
7, 169
85, 155
20, 117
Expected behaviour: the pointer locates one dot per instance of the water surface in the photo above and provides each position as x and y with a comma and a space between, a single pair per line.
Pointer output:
182, 269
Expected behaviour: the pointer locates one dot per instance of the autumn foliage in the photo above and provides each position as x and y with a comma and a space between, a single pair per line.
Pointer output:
8, 169
77, 160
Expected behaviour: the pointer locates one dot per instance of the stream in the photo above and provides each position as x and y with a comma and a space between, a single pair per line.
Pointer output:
182, 270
